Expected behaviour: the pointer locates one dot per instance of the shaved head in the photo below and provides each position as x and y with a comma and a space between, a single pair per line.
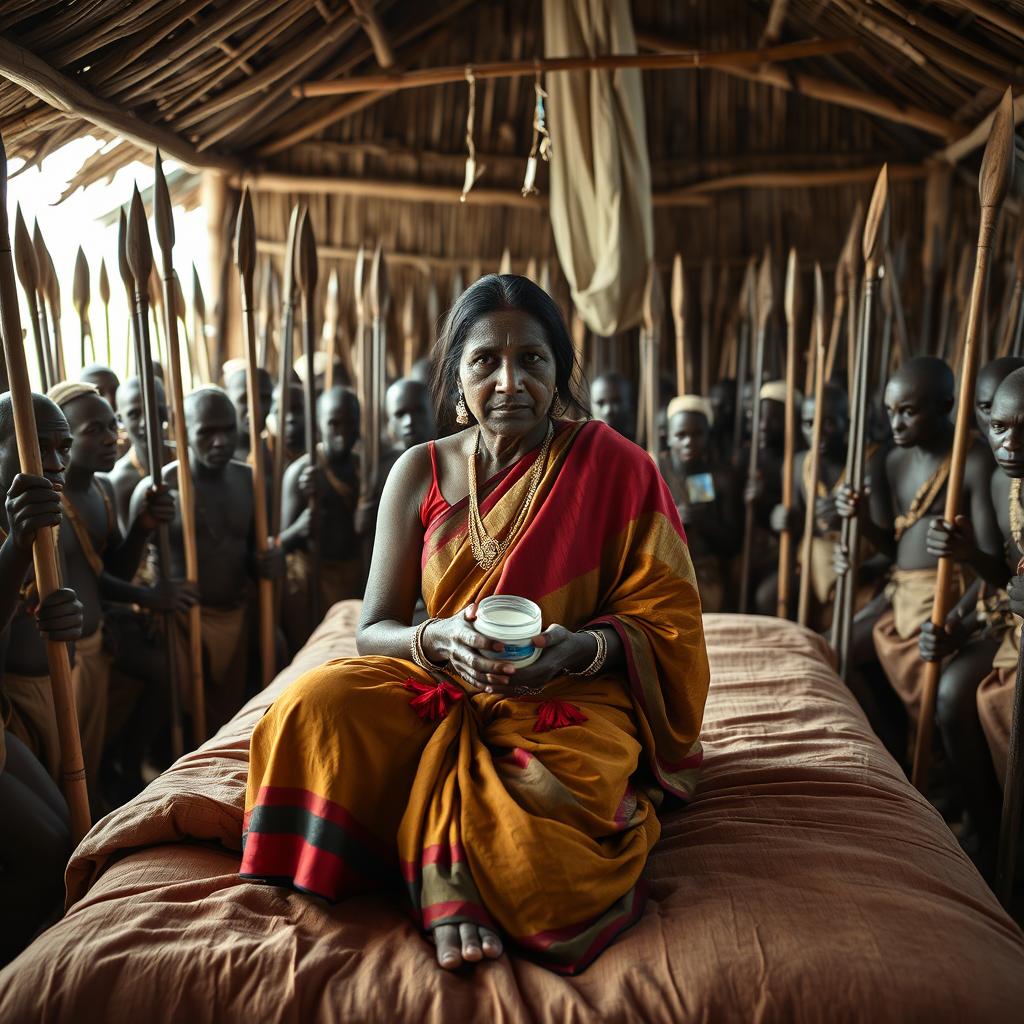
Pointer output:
988, 381
197, 403
929, 376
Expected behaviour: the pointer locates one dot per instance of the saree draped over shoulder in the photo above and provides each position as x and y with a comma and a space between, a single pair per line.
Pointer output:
533, 816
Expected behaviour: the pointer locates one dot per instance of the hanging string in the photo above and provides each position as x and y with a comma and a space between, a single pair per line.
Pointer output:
541, 138
472, 171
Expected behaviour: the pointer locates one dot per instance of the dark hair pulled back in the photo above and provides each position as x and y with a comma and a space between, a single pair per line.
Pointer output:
496, 293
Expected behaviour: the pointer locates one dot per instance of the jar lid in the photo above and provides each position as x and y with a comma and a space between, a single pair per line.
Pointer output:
506, 617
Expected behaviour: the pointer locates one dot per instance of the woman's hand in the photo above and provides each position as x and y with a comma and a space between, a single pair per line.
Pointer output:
560, 651
471, 654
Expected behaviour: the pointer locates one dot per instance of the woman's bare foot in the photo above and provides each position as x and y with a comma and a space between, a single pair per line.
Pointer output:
465, 943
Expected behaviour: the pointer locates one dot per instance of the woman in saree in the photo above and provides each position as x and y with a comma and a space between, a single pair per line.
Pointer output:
517, 804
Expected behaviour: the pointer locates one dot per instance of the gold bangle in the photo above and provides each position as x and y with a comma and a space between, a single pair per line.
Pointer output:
599, 658
419, 657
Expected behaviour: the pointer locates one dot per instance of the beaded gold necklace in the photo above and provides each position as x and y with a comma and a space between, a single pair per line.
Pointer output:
926, 494
1016, 516
487, 550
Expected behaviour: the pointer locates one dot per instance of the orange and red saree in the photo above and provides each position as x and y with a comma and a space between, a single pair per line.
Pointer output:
533, 816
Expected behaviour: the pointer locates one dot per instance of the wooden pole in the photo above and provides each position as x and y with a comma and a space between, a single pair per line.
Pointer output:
49, 288
105, 299
993, 184
129, 286
380, 298
80, 297
876, 233
707, 286
306, 275
199, 328
329, 333
44, 548
245, 259
363, 351
679, 320
164, 218
25, 261
285, 369
653, 306
789, 451
1012, 342
694, 59
804, 604
410, 332
764, 309
746, 330
138, 257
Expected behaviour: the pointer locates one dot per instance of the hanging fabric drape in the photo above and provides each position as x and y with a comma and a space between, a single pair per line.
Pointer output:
600, 175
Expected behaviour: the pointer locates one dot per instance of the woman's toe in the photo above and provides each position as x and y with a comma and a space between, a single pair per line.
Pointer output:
470, 936
448, 946
491, 944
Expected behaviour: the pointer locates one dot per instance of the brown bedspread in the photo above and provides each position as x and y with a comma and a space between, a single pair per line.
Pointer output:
806, 882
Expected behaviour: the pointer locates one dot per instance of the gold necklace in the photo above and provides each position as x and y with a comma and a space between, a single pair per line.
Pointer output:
1016, 531
486, 550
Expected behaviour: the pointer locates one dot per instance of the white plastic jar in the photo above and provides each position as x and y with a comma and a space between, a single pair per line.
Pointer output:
513, 621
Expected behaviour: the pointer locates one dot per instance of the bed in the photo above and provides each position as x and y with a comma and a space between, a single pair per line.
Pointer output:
807, 881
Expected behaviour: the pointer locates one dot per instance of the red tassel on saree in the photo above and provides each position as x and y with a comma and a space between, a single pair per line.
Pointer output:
534, 817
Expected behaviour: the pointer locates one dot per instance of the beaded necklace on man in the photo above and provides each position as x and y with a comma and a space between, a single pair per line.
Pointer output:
923, 500
487, 550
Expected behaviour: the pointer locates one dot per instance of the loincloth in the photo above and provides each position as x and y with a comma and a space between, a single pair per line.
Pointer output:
225, 662
995, 699
90, 682
32, 718
911, 594
340, 579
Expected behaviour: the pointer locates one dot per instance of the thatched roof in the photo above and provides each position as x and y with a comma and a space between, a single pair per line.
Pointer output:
214, 81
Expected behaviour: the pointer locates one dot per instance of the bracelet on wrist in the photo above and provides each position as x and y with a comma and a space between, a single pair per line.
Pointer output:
419, 656
599, 658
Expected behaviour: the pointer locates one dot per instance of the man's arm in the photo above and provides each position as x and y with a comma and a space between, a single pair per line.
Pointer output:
154, 508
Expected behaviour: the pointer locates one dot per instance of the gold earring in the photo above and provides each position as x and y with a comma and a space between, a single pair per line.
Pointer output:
461, 412
557, 405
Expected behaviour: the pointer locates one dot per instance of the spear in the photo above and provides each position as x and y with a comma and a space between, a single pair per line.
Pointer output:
531, 269
57, 371
707, 286
814, 454
105, 299
44, 547
786, 537
306, 275
284, 368
504, 267
179, 312
156, 303
993, 184
652, 308
129, 286
764, 309
245, 260
199, 327
53, 299
268, 289
433, 309
80, 298
1013, 343
846, 256
458, 286
876, 233
164, 219
409, 339
746, 325
138, 265
895, 299
28, 275
329, 333
380, 298
679, 320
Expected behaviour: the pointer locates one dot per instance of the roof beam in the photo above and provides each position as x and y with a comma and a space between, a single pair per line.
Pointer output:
826, 90
993, 15
370, 24
24, 68
692, 59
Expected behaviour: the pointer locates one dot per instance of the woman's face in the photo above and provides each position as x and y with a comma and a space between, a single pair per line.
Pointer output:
507, 372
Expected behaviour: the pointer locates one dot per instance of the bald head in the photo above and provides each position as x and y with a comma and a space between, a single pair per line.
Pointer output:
918, 400
131, 408
235, 384
337, 415
409, 412
1006, 426
612, 402
105, 380
989, 378
212, 427
54, 439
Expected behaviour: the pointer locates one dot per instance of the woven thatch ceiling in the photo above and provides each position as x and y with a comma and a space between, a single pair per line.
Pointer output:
215, 79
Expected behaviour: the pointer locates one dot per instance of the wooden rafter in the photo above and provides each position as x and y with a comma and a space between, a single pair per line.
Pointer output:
826, 90
993, 15
24, 68
370, 23
693, 59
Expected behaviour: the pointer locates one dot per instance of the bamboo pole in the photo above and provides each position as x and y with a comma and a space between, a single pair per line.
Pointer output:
199, 328
679, 320
876, 233
329, 333
380, 298
814, 454
80, 298
306, 276
285, 369
25, 261
104, 288
694, 59
764, 308
44, 548
138, 257
652, 312
707, 286
164, 218
785, 577
245, 259
409, 331
995, 178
